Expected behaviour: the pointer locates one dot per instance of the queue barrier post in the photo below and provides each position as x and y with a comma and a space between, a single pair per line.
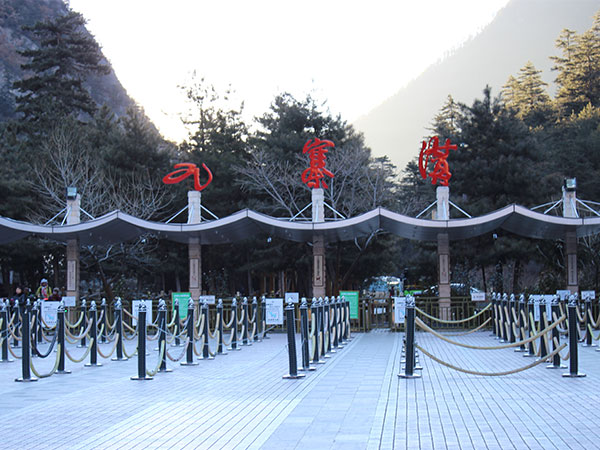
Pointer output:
94, 337
291, 337
220, 341
189, 352
120, 356
409, 365
556, 362
573, 359
82, 327
60, 329
141, 345
4, 332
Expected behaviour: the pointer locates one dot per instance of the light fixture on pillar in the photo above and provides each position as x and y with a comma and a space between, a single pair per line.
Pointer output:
570, 184
71, 193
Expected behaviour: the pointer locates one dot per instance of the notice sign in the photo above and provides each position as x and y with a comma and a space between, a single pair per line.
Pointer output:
478, 296
563, 294
293, 296
274, 311
183, 298
49, 312
352, 297
69, 301
399, 309
135, 306
588, 294
209, 299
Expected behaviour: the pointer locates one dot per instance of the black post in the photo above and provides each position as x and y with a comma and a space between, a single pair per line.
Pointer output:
4, 332
321, 320
409, 364
328, 324
177, 321
573, 360
189, 356
304, 333
206, 336
26, 353
342, 316
104, 336
511, 321
162, 336
17, 322
141, 331
556, 364
494, 315
334, 312
119, 326
82, 327
528, 326
543, 346
291, 336
246, 323
60, 329
314, 309
254, 312
521, 323
234, 325
36, 317
588, 323
347, 319
263, 314
220, 341
94, 330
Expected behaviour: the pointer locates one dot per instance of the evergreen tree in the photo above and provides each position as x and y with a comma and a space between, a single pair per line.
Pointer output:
527, 96
67, 53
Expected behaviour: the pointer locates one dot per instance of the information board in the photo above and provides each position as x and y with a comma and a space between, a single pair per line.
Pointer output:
183, 298
135, 306
49, 312
478, 296
274, 311
352, 297
588, 294
210, 299
399, 309
293, 296
69, 301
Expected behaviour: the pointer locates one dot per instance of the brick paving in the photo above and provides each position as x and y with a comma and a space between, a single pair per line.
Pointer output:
353, 401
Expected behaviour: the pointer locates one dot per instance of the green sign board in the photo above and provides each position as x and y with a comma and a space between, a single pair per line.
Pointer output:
183, 298
352, 297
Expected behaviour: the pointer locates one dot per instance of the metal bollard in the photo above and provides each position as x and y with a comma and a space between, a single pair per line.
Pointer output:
321, 328
234, 345
556, 363
177, 321
304, 333
528, 330
520, 324
246, 323
291, 336
220, 341
17, 322
314, 310
33, 332
82, 343
263, 314
60, 329
573, 360
254, 312
26, 353
162, 336
588, 323
189, 352
494, 303
104, 336
94, 330
334, 325
543, 346
119, 325
328, 308
141, 331
409, 365
205, 347
511, 319
4, 332
347, 336
342, 324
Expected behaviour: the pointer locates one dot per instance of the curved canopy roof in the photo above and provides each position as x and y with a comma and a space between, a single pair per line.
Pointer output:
117, 227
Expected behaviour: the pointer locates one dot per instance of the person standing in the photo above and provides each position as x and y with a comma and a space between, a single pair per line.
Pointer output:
43, 291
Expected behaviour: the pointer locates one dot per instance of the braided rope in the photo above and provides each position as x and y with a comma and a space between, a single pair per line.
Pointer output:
490, 374
151, 373
112, 351
187, 342
594, 323
580, 317
453, 321
52, 372
470, 331
230, 338
214, 333
87, 352
81, 335
424, 326
135, 350
12, 352
76, 324
243, 315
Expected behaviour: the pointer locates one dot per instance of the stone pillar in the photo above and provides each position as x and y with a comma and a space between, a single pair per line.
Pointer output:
194, 246
73, 218
569, 200
318, 215
443, 250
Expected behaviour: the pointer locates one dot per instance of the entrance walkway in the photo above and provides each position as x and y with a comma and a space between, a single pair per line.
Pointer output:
354, 401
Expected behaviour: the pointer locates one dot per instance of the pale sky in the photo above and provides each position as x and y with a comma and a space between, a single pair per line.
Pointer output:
354, 54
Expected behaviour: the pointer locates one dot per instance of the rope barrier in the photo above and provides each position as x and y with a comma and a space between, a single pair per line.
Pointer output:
111, 352
470, 331
580, 317
497, 347
595, 338
187, 342
13, 353
76, 324
151, 373
128, 313
241, 319
48, 327
133, 354
453, 321
37, 352
52, 372
81, 335
212, 335
490, 374
230, 338
591, 316
85, 355
567, 356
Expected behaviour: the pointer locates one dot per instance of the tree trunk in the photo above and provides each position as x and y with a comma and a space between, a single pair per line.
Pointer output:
483, 277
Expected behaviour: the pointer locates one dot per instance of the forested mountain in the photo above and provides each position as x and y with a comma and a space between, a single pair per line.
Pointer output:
16, 14
525, 30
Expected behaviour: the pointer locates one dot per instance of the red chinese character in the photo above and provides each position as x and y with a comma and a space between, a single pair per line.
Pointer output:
313, 176
431, 152
187, 170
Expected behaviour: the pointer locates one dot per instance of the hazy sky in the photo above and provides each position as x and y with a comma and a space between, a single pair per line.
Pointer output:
354, 54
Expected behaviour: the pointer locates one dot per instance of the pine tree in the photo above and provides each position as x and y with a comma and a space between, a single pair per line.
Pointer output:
67, 53
527, 96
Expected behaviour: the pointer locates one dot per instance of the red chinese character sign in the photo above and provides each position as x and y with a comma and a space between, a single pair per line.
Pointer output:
314, 175
188, 170
434, 154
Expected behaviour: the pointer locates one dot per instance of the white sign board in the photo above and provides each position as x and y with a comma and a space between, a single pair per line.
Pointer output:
588, 294
69, 301
274, 311
563, 294
399, 309
536, 307
210, 299
478, 296
541, 301
136, 307
293, 296
49, 312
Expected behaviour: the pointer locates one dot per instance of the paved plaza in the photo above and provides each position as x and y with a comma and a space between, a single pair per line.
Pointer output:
353, 401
